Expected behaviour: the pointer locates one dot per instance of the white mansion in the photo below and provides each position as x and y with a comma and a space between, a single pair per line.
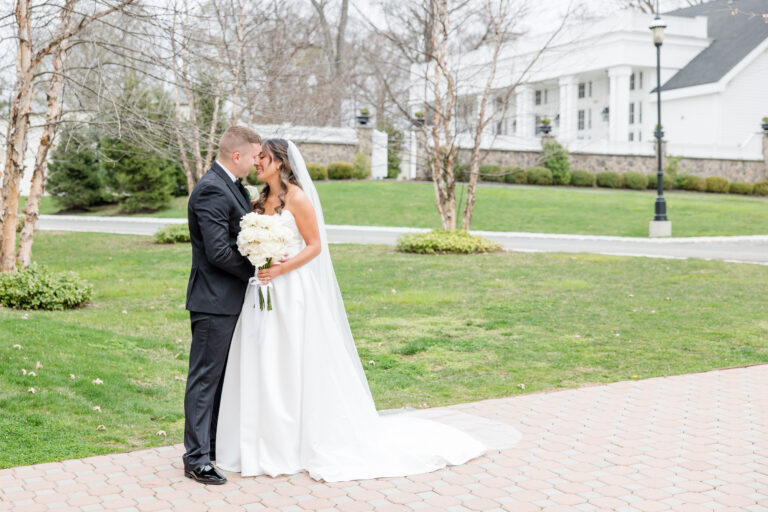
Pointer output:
596, 83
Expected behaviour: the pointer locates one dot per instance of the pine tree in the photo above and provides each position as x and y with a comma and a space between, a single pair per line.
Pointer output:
75, 176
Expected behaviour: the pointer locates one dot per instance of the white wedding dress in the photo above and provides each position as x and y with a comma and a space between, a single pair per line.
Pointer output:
295, 397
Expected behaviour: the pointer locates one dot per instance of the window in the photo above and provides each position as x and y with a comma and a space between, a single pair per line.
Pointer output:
581, 120
640, 136
589, 119
631, 136
537, 99
546, 96
640, 78
514, 126
590, 89
581, 90
639, 111
632, 82
631, 113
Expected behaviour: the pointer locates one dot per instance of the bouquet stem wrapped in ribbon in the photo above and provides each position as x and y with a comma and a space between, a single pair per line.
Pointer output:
267, 286
262, 239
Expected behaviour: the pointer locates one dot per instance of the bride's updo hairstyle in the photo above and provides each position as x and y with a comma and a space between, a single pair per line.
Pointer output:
277, 150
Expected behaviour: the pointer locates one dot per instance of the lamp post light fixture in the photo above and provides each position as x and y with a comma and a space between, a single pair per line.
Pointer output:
660, 225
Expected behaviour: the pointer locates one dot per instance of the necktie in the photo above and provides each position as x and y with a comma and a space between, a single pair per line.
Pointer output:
243, 190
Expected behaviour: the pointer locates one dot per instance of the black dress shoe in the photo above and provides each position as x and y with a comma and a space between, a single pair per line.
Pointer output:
206, 474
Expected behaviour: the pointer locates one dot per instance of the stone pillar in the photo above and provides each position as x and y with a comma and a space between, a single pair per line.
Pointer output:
765, 152
568, 117
618, 120
365, 140
524, 107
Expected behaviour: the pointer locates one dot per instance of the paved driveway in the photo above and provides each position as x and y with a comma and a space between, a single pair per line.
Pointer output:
686, 443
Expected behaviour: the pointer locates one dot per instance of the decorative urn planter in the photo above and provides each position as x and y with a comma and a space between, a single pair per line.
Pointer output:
418, 118
545, 128
363, 117
765, 124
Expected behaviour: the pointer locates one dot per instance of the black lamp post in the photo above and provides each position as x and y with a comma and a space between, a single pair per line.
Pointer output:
657, 29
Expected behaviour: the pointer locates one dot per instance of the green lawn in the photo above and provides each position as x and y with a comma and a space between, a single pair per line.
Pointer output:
528, 208
437, 329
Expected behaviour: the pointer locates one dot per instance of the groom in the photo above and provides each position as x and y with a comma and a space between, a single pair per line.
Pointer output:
215, 293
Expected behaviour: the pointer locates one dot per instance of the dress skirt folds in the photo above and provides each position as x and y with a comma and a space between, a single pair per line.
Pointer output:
292, 400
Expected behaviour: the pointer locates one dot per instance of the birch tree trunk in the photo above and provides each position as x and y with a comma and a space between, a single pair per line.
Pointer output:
16, 143
52, 118
442, 153
27, 62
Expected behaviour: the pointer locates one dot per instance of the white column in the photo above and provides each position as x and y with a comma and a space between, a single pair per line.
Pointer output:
618, 120
524, 107
568, 117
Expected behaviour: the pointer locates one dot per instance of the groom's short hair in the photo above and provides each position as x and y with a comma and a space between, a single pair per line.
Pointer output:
235, 138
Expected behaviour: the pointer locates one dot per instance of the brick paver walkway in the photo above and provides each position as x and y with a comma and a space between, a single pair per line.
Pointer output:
692, 442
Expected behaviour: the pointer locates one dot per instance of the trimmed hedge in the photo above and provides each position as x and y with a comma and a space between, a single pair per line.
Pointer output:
634, 180
317, 171
539, 176
173, 234
441, 241
461, 171
716, 184
693, 183
340, 170
760, 188
362, 170
608, 179
669, 181
36, 287
582, 178
492, 173
515, 175
741, 187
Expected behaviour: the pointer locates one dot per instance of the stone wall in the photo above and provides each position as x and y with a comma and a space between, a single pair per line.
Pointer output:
733, 170
326, 153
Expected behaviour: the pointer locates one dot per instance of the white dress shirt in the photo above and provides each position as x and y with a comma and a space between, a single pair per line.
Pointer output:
231, 176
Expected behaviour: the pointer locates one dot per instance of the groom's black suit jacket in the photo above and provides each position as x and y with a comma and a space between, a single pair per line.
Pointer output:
220, 274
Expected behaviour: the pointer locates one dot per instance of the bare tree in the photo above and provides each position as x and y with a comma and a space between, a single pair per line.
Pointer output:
28, 61
333, 44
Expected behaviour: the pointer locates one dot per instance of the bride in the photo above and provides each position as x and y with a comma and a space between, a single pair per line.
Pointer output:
295, 397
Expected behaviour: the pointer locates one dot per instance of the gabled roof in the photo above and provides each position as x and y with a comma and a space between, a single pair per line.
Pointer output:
733, 37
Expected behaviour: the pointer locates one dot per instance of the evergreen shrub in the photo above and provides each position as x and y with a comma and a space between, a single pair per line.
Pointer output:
760, 188
582, 178
716, 184
173, 234
608, 179
491, 173
740, 187
693, 183
634, 180
441, 241
317, 171
362, 170
340, 170
555, 158
515, 175
539, 176
36, 287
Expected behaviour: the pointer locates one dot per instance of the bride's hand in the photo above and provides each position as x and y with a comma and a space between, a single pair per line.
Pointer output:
268, 274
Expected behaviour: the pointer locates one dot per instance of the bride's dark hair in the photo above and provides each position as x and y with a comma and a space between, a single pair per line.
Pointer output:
277, 149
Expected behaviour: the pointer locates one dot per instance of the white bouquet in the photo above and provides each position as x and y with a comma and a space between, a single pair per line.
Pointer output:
262, 240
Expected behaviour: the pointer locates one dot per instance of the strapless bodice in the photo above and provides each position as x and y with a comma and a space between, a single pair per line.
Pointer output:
296, 243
